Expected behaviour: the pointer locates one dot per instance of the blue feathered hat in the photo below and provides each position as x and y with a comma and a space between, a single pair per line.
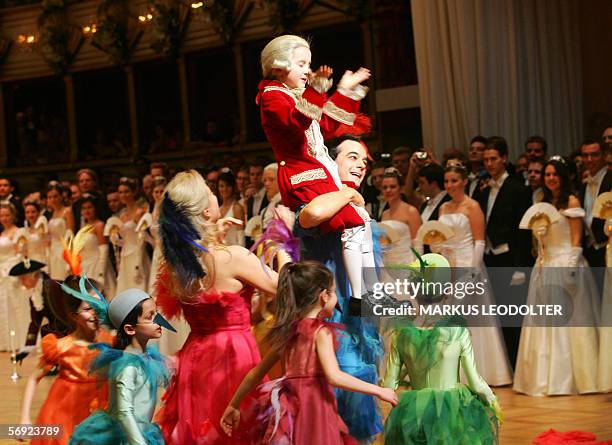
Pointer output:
179, 242
114, 313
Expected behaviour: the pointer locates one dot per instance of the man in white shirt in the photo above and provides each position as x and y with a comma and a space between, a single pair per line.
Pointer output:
504, 201
597, 180
375, 203
431, 184
255, 195
476, 168
535, 168
6, 197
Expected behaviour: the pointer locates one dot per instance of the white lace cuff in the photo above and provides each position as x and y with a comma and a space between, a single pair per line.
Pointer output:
357, 93
320, 84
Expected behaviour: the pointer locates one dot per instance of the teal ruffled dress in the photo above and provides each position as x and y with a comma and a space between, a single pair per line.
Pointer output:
438, 409
134, 378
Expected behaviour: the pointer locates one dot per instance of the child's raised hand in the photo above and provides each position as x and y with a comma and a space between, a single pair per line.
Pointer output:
388, 395
230, 419
351, 79
324, 71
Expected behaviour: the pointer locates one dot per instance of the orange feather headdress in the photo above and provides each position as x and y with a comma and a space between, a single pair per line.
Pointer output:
73, 247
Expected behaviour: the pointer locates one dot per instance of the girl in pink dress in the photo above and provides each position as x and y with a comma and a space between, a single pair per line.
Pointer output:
211, 285
300, 408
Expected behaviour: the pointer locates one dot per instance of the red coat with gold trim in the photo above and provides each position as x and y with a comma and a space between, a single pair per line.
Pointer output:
287, 119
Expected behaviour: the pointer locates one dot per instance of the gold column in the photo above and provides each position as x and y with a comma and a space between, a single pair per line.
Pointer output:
184, 91
71, 115
3, 146
241, 93
131, 92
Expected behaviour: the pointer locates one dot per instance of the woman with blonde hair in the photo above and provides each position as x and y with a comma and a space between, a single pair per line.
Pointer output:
211, 285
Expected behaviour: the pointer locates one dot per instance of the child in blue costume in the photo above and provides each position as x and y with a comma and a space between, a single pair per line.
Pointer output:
134, 371
360, 347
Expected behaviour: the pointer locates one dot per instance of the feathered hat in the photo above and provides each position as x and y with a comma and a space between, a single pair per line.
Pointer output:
114, 313
180, 242
73, 247
276, 237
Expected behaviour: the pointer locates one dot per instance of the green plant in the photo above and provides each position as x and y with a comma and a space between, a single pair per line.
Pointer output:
283, 14
227, 17
115, 34
59, 40
170, 21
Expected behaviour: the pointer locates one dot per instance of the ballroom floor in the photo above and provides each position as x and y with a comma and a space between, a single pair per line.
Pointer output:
525, 416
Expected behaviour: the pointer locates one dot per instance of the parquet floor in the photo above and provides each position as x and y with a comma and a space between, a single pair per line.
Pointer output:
525, 416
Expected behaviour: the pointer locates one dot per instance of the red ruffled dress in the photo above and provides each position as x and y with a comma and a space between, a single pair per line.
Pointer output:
300, 408
218, 353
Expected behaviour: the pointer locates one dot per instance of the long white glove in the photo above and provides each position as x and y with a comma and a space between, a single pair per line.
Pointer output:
100, 270
116, 239
478, 254
574, 257
571, 277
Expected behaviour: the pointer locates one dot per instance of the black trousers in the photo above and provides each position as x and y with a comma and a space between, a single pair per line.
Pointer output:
500, 269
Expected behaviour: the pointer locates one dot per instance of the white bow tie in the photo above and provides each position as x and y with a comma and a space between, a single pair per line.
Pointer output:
494, 184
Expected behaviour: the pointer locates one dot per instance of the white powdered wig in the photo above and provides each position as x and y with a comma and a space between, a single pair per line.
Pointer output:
277, 53
272, 167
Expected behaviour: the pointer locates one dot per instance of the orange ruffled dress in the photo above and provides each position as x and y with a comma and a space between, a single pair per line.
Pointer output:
74, 394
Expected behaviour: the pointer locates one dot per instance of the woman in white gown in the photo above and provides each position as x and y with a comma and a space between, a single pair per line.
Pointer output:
560, 360
231, 208
14, 305
605, 331
171, 342
400, 217
94, 254
35, 247
159, 185
60, 223
134, 262
465, 250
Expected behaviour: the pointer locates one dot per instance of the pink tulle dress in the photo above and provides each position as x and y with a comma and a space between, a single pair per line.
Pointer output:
218, 353
300, 408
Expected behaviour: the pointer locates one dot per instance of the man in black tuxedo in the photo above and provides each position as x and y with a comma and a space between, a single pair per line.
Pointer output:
7, 187
598, 180
30, 275
255, 193
431, 183
504, 201
87, 182
375, 203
